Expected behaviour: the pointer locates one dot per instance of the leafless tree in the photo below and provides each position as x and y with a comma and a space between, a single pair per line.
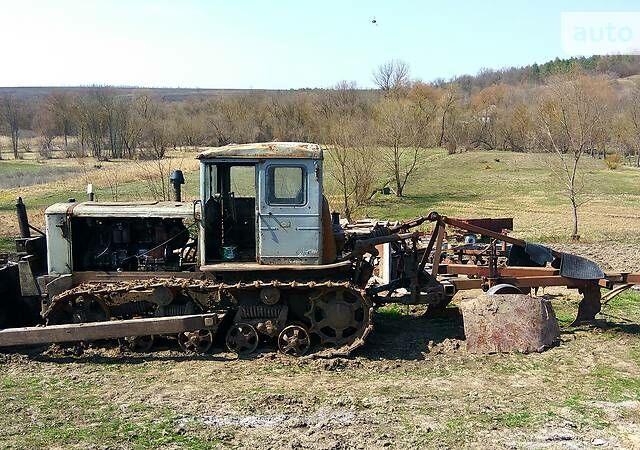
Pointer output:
44, 123
571, 121
12, 113
61, 106
351, 155
391, 76
447, 104
402, 130
632, 113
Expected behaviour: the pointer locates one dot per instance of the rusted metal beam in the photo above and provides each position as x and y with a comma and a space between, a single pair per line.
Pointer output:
483, 271
107, 330
98, 276
523, 282
497, 225
544, 281
633, 278
437, 252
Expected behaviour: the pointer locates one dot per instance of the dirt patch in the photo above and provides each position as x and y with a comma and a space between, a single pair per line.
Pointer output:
612, 256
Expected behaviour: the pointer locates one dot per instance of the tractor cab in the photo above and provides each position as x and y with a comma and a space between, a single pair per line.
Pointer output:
262, 203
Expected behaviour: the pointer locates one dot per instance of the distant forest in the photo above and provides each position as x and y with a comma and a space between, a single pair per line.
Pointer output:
507, 109
616, 66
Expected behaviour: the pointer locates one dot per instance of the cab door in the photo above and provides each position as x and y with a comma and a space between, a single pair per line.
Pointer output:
289, 212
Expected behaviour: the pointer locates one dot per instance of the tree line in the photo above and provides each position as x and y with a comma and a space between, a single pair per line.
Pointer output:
573, 112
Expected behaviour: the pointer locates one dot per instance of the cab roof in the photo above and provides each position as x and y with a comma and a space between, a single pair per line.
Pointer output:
264, 150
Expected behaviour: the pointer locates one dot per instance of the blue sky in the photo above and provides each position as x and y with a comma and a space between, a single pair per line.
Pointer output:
271, 44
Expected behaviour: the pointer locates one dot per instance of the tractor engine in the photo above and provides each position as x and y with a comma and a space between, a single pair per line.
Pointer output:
95, 236
127, 244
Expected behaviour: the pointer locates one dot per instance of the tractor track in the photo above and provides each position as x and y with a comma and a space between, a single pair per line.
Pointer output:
212, 295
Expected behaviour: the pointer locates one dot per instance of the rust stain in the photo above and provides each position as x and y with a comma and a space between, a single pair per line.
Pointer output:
265, 150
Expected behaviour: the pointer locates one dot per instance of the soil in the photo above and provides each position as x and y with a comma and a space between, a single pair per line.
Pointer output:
611, 256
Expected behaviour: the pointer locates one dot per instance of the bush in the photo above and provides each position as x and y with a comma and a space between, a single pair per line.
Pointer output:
613, 161
451, 148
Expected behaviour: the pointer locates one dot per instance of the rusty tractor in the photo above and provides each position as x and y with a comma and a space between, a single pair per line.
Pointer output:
257, 259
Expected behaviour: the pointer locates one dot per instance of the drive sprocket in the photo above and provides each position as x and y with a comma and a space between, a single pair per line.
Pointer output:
340, 315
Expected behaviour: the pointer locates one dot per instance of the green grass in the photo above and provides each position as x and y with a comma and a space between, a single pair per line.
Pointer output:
131, 191
392, 310
10, 167
7, 244
471, 184
68, 413
516, 419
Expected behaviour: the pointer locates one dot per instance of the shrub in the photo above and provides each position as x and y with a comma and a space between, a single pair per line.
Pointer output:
613, 160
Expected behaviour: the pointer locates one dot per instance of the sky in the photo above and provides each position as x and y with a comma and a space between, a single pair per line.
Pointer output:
272, 44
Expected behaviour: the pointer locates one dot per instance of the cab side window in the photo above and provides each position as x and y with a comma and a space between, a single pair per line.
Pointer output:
286, 185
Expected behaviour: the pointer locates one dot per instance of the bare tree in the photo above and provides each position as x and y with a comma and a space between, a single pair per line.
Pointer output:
12, 113
571, 120
402, 129
633, 113
44, 123
391, 76
351, 154
61, 105
447, 104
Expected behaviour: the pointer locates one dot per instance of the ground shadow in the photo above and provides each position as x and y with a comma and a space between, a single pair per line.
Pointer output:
619, 324
99, 357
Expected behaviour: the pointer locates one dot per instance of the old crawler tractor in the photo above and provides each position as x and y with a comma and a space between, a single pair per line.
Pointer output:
258, 258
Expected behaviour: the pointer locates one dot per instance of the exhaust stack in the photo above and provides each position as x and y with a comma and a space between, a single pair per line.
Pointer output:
177, 180
23, 220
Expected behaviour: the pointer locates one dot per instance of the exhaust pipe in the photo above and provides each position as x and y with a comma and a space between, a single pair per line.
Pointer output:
177, 180
23, 220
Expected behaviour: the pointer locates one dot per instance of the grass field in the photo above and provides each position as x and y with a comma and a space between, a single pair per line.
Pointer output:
411, 386
521, 185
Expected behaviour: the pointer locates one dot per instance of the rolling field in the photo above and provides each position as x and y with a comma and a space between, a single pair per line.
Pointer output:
412, 385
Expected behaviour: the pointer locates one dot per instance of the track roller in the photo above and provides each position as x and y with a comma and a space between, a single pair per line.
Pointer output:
199, 341
138, 344
242, 338
294, 340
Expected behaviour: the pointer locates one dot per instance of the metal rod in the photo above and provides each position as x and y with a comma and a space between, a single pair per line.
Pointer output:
437, 252
427, 252
23, 220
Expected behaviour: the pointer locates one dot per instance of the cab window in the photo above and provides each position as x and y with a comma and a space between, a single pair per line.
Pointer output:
286, 185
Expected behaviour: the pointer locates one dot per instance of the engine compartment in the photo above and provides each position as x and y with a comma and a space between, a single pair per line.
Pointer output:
128, 244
